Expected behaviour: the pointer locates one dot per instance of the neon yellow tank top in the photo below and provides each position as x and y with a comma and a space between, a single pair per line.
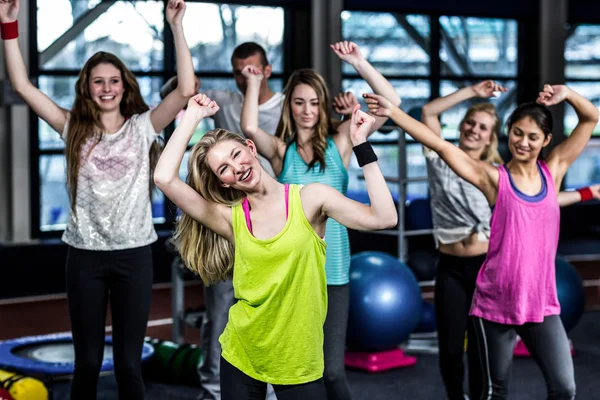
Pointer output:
275, 329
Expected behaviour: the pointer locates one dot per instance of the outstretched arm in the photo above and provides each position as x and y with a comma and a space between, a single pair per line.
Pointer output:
166, 175
566, 198
41, 104
269, 146
563, 155
381, 213
168, 109
479, 173
430, 113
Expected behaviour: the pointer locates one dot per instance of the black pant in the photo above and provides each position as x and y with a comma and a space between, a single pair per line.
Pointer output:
454, 288
547, 343
334, 345
94, 277
235, 385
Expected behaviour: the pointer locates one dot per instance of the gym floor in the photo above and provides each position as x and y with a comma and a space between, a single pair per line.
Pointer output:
419, 382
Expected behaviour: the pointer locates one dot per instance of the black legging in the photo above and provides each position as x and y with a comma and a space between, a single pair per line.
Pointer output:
94, 277
235, 385
454, 288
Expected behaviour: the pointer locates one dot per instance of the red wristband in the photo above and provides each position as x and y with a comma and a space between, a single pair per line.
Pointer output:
586, 194
9, 30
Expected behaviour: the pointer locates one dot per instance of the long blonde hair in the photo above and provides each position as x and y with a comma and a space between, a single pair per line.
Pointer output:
286, 129
203, 251
85, 122
490, 154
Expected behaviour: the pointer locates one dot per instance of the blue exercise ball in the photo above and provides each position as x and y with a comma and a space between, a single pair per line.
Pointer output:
571, 295
427, 322
418, 214
385, 302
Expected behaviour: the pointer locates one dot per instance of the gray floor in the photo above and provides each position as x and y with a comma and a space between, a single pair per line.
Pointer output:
422, 381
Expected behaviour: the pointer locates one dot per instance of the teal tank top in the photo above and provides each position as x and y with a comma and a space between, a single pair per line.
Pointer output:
337, 265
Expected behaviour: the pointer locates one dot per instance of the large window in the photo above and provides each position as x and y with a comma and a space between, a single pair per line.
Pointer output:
582, 50
70, 31
425, 58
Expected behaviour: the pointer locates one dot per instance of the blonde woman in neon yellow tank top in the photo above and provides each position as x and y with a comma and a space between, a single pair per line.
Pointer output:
240, 222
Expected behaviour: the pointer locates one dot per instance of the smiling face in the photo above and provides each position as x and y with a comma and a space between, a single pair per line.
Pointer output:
476, 131
526, 139
106, 86
305, 106
235, 164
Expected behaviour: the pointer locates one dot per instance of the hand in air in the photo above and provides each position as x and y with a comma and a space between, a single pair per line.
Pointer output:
9, 10
552, 94
361, 125
379, 105
344, 103
252, 73
201, 106
174, 11
347, 51
487, 89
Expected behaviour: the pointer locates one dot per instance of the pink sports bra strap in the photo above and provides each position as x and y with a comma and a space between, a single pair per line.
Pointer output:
246, 207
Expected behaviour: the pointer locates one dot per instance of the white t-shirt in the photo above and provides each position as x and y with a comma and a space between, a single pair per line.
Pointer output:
113, 208
228, 117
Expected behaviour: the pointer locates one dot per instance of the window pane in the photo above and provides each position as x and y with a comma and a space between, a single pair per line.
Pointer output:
589, 90
478, 46
61, 89
585, 170
414, 94
582, 51
111, 32
214, 30
394, 43
451, 119
54, 199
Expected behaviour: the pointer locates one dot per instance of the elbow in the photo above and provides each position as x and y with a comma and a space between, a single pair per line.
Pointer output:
186, 91
426, 111
248, 129
162, 180
387, 221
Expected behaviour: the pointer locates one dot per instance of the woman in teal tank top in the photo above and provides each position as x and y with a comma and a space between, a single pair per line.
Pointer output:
238, 222
306, 148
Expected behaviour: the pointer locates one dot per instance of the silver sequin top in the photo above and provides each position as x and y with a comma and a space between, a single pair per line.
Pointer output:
113, 208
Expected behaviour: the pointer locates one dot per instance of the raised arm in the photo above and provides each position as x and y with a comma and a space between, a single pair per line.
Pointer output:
166, 175
381, 212
563, 155
350, 53
430, 113
41, 104
479, 173
168, 109
269, 146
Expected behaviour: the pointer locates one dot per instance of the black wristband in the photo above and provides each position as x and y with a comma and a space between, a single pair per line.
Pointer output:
364, 154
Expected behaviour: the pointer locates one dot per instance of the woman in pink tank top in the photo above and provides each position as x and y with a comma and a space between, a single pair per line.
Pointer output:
516, 287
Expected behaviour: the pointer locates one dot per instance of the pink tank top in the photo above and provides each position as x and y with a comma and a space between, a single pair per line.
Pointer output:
517, 282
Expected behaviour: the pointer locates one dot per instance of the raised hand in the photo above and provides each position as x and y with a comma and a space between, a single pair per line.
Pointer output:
252, 73
348, 52
344, 103
201, 106
174, 12
379, 105
487, 89
9, 10
552, 94
361, 125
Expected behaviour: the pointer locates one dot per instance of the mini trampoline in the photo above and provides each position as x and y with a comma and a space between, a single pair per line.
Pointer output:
51, 355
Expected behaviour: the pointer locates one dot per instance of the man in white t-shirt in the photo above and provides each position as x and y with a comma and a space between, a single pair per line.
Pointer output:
218, 298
